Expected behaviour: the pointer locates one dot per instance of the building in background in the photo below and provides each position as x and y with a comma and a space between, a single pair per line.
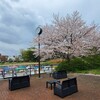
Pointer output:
3, 58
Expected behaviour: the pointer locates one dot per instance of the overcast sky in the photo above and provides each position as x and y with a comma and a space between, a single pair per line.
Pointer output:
19, 19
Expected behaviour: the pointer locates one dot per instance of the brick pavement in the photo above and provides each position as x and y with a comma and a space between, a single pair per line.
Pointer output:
89, 89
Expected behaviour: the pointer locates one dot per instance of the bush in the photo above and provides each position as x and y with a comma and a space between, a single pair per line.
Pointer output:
80, 63
93, 61
62, 66
74, 65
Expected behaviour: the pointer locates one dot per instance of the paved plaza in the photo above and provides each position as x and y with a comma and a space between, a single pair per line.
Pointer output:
88, 86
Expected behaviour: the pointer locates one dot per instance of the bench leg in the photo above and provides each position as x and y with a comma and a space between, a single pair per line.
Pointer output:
46, 84
51, 86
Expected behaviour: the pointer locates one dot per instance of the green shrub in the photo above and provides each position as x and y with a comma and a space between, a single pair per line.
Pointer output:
62, 66
80, 64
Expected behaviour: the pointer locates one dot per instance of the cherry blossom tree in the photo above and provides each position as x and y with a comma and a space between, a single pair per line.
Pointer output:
68, 36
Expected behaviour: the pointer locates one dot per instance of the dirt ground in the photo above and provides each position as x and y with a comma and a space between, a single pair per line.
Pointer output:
88, 89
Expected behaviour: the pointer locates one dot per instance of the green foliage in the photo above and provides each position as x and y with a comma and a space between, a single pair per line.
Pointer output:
1, 63
63, 66
93, 61
28, 55
80, 64
46, 63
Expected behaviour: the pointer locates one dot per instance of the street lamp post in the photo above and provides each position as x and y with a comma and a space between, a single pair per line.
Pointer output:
39, 31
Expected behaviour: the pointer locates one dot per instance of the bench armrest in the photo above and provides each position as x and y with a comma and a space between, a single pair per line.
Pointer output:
57, 83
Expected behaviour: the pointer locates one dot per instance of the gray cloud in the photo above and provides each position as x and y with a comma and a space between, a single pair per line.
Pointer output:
15, 0
16, 24
19, 19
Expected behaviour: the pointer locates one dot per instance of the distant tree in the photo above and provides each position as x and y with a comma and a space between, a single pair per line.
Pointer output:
68, 36
28, 55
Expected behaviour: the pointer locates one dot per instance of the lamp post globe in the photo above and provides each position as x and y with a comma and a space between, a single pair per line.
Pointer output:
39, 30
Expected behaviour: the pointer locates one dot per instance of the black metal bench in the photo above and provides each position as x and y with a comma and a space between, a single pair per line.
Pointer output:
67, 87
59, 74
19, 82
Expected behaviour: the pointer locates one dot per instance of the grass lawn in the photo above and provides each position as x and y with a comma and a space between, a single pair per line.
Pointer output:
20, 63
92, 71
